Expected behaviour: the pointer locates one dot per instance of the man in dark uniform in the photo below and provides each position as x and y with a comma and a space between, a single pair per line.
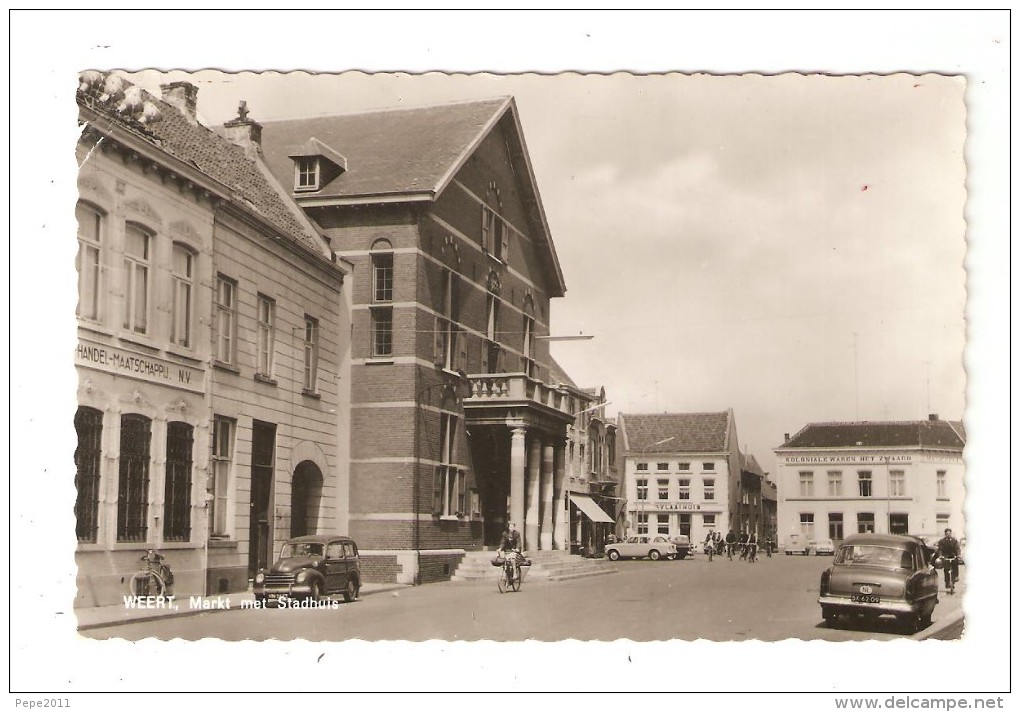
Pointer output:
948, 549
731, 543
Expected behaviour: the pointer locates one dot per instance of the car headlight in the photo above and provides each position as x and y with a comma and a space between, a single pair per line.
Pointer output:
301, 577
260, 577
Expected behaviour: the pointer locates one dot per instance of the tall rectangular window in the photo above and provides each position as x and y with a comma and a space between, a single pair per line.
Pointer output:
807, 525
663, 487
89, 235
835, 525
382, 331
709, 488
899, 523
137, 244
182, 270
865, 522
446, 323
864, 483
88, 423
663, 526
684, 488
382, 278
492, 336
642, 488
177, 490
835, 483
133, 480
226, 320
222, 461
897, 483
266, 336
529, 348
495, 234
642, 523
941, 489
450, 483
807, 484
311, 354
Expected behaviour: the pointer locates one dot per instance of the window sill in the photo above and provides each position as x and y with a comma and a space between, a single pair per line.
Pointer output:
262, 378
449, 518
495, 259
379, 361
223, 366
140, 341
187, 357
222, 544
310, 394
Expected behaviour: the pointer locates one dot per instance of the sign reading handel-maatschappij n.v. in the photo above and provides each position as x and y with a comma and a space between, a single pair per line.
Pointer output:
122, 362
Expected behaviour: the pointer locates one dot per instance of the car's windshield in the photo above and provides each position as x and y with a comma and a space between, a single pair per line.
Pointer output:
872, 555
301, 548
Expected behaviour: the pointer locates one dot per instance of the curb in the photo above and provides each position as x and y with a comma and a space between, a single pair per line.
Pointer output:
378, 588
939, 626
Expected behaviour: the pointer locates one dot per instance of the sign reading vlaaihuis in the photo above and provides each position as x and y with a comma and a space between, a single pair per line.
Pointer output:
679, 506
122, 362
843, 459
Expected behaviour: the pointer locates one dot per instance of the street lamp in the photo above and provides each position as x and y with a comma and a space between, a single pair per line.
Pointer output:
418, 416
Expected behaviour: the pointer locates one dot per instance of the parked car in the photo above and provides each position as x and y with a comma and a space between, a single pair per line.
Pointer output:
638, 547
797, 544
311, 567
682, 543
880, 574
821, 546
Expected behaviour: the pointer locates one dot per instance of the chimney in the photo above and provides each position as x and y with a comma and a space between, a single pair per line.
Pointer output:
933, 416
244, 132
183, 96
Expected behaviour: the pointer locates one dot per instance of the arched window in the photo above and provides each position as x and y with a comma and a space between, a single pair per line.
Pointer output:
177, 490
183, 270
137, 256
382, 298
133, 480
88, 423
90, 222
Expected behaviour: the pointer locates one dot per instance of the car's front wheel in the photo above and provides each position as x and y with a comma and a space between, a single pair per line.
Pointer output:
613, 555
654, 555
315, 591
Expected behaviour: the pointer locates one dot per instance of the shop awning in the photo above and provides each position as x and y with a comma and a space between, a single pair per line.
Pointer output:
591, 510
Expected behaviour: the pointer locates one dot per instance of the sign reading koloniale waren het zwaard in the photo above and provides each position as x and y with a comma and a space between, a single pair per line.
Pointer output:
123, 362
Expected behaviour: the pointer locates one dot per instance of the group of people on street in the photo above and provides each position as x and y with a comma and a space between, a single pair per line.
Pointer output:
744, 545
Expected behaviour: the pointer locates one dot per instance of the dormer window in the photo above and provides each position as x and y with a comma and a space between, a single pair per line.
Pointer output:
306, 174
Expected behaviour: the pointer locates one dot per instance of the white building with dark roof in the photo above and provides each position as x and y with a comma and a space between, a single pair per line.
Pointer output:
904, 477
682, 473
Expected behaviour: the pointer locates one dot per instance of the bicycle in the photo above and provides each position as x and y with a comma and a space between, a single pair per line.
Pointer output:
511, 572
156, 579
951, 568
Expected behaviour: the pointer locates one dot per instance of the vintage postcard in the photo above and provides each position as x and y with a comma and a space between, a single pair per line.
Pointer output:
645, 361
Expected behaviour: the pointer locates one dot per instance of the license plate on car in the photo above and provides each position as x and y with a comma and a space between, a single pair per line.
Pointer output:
865, 598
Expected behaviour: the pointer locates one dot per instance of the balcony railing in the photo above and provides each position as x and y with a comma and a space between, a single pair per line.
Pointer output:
496, 388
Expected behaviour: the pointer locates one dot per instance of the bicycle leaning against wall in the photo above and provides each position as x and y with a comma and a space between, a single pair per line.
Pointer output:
156, 579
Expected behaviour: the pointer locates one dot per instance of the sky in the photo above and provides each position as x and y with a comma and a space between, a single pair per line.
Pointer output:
791, 247
715, 238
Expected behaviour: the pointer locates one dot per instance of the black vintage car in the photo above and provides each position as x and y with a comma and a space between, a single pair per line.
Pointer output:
311, 567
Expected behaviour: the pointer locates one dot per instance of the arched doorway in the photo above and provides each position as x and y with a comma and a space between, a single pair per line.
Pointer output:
306, 497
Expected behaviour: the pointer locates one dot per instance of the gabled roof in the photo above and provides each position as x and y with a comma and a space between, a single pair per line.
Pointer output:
748, 463
941, 434
410, 155
682, 432
211, 154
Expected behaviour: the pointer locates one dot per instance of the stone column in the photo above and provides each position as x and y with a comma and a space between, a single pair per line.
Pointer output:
559, 486
517, 458
531, 521
545, 538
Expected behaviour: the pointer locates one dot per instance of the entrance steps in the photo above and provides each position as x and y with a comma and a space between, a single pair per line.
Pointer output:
546, 566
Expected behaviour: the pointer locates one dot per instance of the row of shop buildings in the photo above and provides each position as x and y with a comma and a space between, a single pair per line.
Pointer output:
338, 324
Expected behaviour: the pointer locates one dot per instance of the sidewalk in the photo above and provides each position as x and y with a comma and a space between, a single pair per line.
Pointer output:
120, 614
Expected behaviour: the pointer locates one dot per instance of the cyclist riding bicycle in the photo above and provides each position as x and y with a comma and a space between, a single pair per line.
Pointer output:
948, 549
510, 548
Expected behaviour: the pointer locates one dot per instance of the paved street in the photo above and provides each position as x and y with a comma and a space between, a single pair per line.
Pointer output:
773, 599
